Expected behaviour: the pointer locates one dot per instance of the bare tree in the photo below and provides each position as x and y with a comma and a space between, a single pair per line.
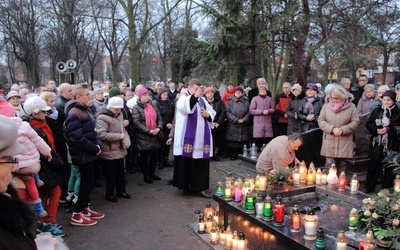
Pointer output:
384, 25
113, 33
23, 26
139, 23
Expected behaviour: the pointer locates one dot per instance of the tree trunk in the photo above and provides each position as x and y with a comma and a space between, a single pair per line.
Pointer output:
385, 63
253, 63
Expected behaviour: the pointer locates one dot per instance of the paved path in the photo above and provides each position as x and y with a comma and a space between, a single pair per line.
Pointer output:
156, 217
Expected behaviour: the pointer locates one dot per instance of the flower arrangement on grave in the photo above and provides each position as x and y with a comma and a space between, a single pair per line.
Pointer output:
282, 178
381, 214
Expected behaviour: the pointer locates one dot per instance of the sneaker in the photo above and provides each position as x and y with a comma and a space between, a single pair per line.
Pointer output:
69, 197
87, 212
78, 219
59, 226
54, 231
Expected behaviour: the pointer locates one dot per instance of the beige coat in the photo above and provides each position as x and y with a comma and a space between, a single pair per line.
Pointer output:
276, 155
108, 128
338, 146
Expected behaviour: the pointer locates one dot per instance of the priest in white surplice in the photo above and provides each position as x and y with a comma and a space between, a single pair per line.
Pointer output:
193, 146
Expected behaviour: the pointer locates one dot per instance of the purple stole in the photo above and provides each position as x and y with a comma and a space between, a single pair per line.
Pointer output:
190, 134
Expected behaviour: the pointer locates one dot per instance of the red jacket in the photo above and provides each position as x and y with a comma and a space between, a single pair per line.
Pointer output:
281, 104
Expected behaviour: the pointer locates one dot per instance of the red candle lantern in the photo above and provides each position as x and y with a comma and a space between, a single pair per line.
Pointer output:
279, 212
295, 219
342, 181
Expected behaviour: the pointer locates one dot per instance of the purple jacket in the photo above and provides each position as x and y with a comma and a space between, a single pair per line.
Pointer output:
262, 127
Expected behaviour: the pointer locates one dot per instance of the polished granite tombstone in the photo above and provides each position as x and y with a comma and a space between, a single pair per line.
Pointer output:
362, 138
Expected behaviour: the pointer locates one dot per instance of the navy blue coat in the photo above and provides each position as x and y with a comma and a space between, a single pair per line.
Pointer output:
79, 131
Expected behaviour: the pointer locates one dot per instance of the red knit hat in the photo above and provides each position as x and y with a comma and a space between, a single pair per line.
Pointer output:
6, 109
238, 88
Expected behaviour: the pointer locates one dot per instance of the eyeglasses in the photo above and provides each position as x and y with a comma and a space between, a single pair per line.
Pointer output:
42, 112
11, 161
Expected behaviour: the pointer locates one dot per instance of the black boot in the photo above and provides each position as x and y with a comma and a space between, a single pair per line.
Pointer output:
147, 179
155, 177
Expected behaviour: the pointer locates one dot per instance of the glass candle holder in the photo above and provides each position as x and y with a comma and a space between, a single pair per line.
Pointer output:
396, 184
342, 181
267, 211
341, 241
310, 224
320, 241
295, 219
279, 212
354, 184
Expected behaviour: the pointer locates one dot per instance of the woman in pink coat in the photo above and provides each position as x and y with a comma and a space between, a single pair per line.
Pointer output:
262, 108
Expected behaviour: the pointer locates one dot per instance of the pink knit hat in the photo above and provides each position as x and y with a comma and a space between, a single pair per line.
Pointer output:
6, 109
208, 89
142, 91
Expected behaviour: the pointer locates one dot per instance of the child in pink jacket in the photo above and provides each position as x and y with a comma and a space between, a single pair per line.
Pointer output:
29, 159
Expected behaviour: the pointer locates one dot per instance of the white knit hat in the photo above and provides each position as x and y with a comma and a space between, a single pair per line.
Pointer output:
35, 105
296, 86
115, 102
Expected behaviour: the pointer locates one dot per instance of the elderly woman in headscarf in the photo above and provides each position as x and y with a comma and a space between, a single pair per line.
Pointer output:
369, 98
382, 124
338, 120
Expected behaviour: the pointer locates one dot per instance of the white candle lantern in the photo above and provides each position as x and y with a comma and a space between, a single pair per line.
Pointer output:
259, 207
323, 177
241, 245
332, 178
222, 237
396, 184
262, 186
214, 236
310, 224
318, 177
341, 241
228, 238
354, 184
296, 177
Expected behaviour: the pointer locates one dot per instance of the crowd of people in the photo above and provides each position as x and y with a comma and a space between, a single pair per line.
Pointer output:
71, 135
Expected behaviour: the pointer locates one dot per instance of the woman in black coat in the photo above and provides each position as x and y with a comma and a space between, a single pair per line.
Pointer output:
294, 122
148, 124
238, 129
167, 110
218, 132
382, 126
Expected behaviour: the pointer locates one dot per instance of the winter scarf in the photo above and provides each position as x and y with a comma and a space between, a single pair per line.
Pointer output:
46, 130
382, 140
53, 114
309, 105
337, 107
150, 117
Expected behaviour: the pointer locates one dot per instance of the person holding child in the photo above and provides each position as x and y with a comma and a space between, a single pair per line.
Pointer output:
17, 218
29, 159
